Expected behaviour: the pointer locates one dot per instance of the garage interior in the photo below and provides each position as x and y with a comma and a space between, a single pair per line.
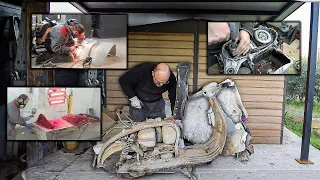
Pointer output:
53, 105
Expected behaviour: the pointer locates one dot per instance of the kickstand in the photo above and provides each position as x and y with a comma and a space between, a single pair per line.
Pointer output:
190, 174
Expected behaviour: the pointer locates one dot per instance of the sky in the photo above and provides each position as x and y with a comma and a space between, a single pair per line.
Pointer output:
302, 14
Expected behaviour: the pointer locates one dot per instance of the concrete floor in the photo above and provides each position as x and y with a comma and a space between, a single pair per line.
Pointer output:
91, 133
117, 62
271, 162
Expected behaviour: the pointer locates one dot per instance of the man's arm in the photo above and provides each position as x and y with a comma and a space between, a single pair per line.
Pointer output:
247, 26
57, 40
129, 79
14, 117
172, 90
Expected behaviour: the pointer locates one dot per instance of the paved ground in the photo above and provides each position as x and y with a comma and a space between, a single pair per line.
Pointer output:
269, 162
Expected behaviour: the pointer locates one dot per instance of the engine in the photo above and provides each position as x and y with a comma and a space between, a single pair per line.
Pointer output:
148, 144
264, 56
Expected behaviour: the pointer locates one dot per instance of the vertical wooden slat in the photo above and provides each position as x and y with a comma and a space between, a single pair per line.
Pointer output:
32, 74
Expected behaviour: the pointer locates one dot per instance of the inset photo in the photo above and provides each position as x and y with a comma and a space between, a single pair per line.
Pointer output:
53, 113
79, 41
258, 48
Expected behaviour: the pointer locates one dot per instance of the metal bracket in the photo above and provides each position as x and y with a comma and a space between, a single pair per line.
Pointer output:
91, 79
182, 88
19, 74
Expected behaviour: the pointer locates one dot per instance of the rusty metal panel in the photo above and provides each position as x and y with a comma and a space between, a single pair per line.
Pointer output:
36, 77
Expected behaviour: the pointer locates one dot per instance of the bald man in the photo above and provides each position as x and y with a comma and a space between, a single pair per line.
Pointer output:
144, 85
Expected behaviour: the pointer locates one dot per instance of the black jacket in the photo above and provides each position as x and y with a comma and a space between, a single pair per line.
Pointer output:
138, 81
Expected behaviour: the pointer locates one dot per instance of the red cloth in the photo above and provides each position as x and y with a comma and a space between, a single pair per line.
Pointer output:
77, 120
42, 121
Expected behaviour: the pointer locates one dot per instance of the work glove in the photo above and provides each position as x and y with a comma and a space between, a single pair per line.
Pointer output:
28, 117
28, 127
136, 103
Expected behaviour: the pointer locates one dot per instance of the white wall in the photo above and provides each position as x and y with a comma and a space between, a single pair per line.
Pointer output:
63, 7
83, 99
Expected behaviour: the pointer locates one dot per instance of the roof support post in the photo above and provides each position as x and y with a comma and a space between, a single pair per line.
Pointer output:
311, 74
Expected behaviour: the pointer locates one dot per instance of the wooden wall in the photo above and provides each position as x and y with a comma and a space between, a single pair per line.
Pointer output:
150, 47
262, 95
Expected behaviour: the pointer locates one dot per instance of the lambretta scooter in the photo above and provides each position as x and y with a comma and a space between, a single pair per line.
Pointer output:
212, 120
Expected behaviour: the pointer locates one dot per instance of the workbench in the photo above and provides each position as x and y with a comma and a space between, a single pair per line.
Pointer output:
61, 126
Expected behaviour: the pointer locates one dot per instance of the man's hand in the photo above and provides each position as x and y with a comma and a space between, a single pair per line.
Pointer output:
72, 56
171, 118
72, 48
136, 103
244, 43
28, 118
218, 32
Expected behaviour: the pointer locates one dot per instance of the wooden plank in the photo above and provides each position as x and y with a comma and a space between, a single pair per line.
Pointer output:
264, 105
264, 112
116, 94
261, 91
202, 67
115, 72
160, 51
261, 98
161, 44
264, 126
155, 58
173, 65
203, 59
266, 140
117, 101
203, 45
204, 75
264, 119
315, 124
113, 87
202, 52
265, 133
203, 38
161, 36
245, 83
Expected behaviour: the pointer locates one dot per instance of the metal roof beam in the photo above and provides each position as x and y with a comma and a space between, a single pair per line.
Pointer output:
287, 10
182, 11
81, 7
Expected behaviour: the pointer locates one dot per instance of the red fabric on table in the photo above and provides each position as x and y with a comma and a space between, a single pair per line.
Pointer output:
77, 120
42, 121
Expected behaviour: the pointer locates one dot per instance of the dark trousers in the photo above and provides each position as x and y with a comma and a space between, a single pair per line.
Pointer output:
54, 58
50, 55
149, 110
